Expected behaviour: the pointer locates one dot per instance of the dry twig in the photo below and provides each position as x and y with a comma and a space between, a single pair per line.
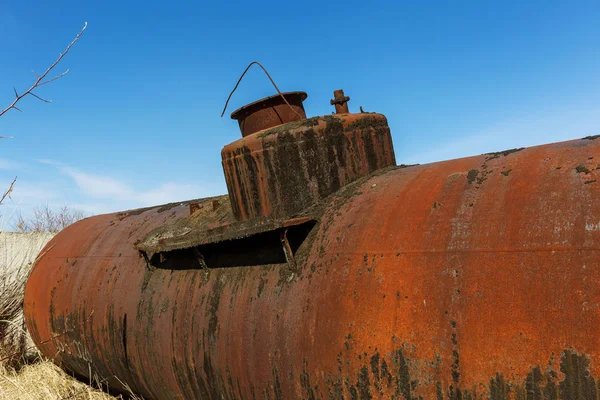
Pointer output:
8, 191
46, 219
41, 79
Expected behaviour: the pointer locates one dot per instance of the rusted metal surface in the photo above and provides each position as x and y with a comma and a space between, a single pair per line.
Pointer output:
474, 278
283, 170
340, 101
196, 231
270, 111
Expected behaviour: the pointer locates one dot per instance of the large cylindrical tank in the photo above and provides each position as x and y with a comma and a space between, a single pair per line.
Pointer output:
464, 279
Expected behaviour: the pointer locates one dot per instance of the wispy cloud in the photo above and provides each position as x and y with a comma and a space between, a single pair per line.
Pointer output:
7, 165
31, 194
105, 187
94, 208
50, 162
95, 193
25, 197
58, 184
527, 131
99, 186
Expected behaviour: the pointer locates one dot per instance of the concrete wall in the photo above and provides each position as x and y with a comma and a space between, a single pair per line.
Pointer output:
18, 252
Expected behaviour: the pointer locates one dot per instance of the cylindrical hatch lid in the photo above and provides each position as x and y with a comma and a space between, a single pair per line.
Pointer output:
270, 111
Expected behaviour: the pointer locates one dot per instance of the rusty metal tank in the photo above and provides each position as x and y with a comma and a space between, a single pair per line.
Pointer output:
328, 272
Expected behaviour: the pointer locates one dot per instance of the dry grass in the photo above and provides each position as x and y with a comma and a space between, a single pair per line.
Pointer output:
45, 381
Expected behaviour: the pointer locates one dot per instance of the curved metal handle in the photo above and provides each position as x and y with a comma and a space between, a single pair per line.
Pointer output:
268, 76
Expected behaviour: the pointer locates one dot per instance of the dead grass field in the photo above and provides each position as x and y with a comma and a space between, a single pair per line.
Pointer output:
45, 381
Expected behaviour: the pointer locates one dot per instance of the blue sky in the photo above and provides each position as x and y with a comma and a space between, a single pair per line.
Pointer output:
137, 120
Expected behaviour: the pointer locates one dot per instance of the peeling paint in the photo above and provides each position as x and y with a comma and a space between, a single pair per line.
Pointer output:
592, 227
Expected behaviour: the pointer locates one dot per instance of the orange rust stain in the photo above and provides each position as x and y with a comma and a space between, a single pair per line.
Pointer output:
425, 280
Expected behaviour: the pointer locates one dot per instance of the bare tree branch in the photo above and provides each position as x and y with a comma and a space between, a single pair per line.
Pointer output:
40, 79
8, 191
39, 98
46, 219
56, 77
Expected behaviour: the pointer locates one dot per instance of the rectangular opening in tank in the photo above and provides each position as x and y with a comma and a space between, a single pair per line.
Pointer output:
278, 246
